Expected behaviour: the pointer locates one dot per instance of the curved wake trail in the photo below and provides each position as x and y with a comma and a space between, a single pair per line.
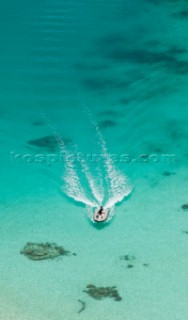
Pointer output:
72, 186
97, 192
118, 186
82, 185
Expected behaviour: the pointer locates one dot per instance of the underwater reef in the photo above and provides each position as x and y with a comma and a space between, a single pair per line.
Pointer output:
48, 143
83, 306
130, 261
42, 251
128, 258
38, 123
100, 293
168, 173
107, 124
184, 206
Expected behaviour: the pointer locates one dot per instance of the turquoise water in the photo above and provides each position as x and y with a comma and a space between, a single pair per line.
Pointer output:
94, 110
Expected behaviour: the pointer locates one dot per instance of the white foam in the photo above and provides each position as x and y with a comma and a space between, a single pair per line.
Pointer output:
113, 188
106, 187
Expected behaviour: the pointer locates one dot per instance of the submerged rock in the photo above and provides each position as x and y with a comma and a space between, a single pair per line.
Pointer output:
38, 123
102, 292
48, 143
131, 261
83, 305
41, 251
107, 124
168, 173
185, 206
127, 257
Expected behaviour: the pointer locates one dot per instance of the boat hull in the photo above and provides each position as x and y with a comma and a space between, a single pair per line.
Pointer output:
100, 217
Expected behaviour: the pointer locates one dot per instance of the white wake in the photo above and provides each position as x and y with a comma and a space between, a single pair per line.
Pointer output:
106, 187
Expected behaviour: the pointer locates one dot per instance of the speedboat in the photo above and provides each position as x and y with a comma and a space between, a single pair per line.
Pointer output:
100, 215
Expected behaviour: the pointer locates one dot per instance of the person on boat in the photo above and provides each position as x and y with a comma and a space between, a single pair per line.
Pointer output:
101, 210
100, 214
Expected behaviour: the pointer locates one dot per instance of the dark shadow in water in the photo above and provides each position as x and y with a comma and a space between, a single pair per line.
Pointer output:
168, 173
107, 124
89, 67
183, 14
184, 206
154, 148
101, 225
178, 67
176, 50
95, 84
176, 130
120, 52
48, 143
125, 101
118, 49
38, 123
101, 84
140, 56
112, 40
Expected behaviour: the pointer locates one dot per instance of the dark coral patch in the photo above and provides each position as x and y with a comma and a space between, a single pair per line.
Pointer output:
107, 124
42, 251
101, 84
83, 306
176, 50
179, 67
95, 84
100, 293
185, 206
38, 123
127, 257
168, 173
168, 59
181, 14
140, 56
48, 143
124, 101
176, 129
112, 40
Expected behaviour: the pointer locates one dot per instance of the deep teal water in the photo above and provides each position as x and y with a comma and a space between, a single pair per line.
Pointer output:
101, 75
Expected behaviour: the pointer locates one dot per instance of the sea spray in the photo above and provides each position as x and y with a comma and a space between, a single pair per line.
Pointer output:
72, 186
71, 182
118, 185
95, 186
102, 187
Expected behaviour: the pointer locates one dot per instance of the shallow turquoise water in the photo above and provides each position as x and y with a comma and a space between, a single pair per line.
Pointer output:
105, 78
